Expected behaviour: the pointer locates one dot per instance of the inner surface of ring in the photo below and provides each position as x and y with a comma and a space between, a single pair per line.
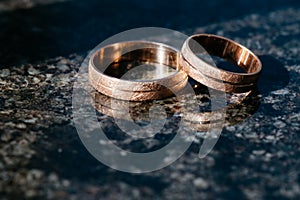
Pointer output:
144, 62
226, 49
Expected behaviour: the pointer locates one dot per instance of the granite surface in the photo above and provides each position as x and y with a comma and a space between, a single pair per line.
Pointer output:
256, 157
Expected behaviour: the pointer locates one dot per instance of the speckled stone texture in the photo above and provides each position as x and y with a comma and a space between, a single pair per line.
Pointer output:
42, 157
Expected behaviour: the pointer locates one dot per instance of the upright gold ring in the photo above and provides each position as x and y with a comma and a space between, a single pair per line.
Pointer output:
107, 79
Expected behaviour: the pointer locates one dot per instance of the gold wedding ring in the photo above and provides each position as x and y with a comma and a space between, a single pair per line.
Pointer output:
109, 64
106, 70
211, 76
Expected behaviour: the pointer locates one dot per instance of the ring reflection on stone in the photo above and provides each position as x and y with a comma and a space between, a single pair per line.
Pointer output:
234, 112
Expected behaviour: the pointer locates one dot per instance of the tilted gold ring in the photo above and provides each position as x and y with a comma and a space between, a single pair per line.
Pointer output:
211, 76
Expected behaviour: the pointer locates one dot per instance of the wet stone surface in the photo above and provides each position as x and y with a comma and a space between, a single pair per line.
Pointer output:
256, 157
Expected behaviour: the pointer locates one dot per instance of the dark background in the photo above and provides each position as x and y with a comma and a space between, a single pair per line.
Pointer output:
32, 32
256, 157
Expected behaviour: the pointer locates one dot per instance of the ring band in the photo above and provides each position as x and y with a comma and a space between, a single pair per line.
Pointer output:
133, 51
139, 95
214, 83
223, 48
